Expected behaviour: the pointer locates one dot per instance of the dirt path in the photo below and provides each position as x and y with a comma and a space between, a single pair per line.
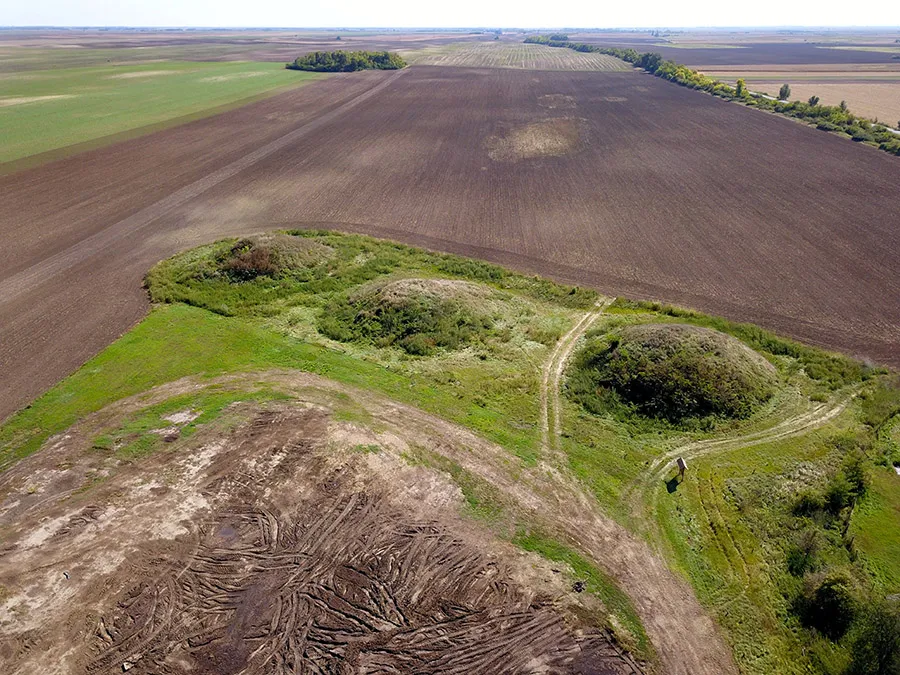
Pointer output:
552, 374
637, 495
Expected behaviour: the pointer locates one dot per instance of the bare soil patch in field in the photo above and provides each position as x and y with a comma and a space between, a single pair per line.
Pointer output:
672, 195
268, 542
549, 138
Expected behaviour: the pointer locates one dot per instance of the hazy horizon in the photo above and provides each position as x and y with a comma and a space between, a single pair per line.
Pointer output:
699, 14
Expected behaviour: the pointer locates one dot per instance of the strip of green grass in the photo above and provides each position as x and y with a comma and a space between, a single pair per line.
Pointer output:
875, 529
175, 341
108, 100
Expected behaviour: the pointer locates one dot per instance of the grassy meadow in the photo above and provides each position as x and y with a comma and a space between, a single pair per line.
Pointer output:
48, 109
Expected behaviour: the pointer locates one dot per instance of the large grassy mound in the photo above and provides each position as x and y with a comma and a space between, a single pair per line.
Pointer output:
671, 371
418, 315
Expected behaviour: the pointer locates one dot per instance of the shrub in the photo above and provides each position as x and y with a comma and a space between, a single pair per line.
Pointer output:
830, 605
809, 502
839, 493
785, 92
803, 554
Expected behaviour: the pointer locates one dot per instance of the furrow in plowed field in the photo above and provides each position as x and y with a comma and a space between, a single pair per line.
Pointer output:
619, 181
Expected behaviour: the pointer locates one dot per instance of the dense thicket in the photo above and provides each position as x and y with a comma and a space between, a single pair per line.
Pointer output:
837, 118
345, 62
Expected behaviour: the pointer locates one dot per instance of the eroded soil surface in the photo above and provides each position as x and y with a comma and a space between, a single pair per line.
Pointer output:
275, 539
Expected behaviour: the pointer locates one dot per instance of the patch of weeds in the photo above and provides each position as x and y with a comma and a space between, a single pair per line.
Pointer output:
367, 449
146, 431
417, 322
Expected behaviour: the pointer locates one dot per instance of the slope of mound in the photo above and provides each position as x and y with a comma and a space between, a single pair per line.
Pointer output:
673, 372
418, 315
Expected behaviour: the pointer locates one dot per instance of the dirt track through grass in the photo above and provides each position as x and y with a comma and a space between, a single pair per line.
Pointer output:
552, 375
644, 495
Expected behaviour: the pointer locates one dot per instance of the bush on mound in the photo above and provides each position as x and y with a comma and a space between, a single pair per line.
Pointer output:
418, 315
671, 371
271, 255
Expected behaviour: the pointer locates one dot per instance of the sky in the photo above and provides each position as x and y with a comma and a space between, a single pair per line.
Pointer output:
449, 13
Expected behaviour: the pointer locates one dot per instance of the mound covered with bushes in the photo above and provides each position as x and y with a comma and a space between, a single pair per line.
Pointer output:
672, 372
418, 315
270, 255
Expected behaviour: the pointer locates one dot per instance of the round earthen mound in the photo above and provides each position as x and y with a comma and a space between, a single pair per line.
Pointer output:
272, 255
674, 372
417, 315
402, 291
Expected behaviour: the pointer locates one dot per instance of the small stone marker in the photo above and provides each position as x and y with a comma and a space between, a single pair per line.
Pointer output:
682, 466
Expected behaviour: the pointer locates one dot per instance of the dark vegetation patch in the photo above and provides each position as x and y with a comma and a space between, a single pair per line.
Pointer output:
345, 62
270, 255
417, 315
673, 372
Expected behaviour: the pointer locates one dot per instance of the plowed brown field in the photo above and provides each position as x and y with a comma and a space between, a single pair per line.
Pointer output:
616, 180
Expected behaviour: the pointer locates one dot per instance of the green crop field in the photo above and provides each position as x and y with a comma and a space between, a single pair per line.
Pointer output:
43, 110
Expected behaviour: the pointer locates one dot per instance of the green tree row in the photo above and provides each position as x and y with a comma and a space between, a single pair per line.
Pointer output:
345, 62
836, 118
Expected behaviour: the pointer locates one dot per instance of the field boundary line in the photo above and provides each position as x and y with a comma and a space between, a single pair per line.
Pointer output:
12, 287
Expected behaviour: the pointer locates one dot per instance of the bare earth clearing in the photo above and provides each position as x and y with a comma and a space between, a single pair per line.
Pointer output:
733, 218
261, 527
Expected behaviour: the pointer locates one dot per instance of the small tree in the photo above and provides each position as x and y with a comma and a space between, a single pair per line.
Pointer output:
813, 100
831, 606
843, 106
740, 89
784, 93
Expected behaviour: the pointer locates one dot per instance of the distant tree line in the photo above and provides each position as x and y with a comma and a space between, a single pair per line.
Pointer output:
346, 62
836, 118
